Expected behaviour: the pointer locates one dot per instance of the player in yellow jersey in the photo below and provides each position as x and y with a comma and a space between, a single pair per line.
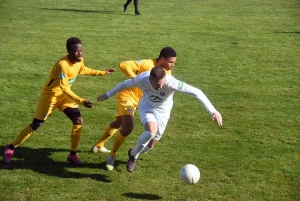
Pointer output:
128, 100
57, 93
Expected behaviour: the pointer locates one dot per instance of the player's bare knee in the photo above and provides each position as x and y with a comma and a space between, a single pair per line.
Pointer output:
74, 115
126, 130
77, 121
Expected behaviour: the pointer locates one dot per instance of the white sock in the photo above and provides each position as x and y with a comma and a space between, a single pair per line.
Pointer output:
142, 143
145, 150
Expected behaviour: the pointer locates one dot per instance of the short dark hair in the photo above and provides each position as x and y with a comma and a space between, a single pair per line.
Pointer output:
72, 41
157, 73
167, 52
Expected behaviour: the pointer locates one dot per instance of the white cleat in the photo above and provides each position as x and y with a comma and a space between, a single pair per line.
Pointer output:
99, 150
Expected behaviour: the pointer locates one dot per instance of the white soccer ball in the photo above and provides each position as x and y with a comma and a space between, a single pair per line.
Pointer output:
189, 174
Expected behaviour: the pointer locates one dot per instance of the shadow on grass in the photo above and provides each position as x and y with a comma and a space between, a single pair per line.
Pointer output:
142, 196
39, 160
85, 11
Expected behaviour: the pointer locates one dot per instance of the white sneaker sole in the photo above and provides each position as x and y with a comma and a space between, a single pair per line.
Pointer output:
100, 150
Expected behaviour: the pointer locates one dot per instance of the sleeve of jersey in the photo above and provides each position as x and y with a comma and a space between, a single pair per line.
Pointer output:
129, 68
123, 85
88, 71
193, 91
66, 88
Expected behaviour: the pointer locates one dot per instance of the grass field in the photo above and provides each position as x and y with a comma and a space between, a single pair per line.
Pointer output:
243, 54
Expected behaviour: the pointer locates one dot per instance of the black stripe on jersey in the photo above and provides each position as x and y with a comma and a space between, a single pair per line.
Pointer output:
50, 82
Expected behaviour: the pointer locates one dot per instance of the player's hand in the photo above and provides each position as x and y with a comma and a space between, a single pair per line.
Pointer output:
88, 104
109, 70
216, 116
102, 97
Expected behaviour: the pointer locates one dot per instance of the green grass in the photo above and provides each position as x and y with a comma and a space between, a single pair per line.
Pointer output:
243, 54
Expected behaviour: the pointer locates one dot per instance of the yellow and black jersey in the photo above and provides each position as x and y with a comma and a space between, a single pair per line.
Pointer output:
63, 75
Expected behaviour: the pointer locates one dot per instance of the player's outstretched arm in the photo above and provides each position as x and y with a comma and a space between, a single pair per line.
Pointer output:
123, 85
216, 116
102, 97
129, 68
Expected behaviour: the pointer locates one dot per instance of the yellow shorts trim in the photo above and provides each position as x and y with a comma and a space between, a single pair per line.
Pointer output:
126, 106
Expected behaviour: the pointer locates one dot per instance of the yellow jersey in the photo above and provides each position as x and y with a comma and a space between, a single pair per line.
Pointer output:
62, 76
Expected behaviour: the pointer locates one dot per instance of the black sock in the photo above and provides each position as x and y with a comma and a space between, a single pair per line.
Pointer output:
136, 3
11, 147
128, 2
72, 153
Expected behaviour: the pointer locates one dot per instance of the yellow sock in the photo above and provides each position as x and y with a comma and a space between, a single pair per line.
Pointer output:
119, 140
108, 133
23, 135
75, 137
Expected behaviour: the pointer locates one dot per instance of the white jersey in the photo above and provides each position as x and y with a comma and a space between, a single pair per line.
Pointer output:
161, 100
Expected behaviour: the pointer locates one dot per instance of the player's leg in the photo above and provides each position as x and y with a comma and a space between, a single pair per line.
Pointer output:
143, 142
148, 147
149, 120
127, 126
43, 110
126, 4
162, 123
109, 131
126, 110
133, 153
23, 135
136, 7
126, 129
75, 116
125, 107
153, 123
26, 132
151, 144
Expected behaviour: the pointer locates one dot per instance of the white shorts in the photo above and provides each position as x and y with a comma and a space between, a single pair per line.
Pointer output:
147, 115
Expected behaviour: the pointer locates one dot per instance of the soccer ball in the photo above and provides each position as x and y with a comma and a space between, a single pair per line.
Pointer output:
189, 174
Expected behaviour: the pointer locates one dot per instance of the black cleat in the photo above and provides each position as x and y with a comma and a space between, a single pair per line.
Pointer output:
125, 7
137, 12
131, 162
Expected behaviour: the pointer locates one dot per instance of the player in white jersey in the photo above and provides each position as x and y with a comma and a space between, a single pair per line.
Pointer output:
156, 105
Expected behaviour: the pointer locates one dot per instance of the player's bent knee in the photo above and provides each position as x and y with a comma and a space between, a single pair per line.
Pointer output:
74, 115
36, 123
125, 131
77, 121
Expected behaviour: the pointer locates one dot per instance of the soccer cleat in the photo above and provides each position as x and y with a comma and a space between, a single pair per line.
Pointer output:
110, 162
75, 160
125, 7
137, 12
101, 149
8, 154
131, 162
